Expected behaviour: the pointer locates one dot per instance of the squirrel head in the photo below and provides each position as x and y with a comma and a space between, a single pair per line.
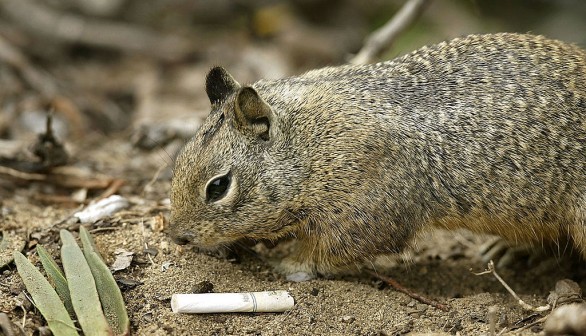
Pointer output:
227, 184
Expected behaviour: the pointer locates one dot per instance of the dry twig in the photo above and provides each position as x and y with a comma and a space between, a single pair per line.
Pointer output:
69, 178
112, 189
529, 325
63, 98
50, 152
45, 21
397, 286
491, 269
384, 37
37, 79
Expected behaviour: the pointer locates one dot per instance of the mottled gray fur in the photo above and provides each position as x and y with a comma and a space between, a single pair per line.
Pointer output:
485, 132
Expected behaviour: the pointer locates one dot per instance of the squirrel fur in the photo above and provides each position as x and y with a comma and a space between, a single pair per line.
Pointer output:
484, 132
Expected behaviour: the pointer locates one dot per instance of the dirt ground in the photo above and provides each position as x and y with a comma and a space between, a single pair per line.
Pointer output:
122, 117
440, 266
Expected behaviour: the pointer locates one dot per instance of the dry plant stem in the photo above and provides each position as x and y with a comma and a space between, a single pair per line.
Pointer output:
154, 179
104, 229
112, 189
397, 286
48, 149
24, 312
68, 218
64, 200
45, 21
144, 240
385, 36
56, 178
35, 78
527, 326
526, 306
492, 316
17, 174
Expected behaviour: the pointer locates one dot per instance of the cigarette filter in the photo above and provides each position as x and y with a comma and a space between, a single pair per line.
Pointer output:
252, 302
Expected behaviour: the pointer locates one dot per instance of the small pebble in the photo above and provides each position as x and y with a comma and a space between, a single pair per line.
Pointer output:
567, 320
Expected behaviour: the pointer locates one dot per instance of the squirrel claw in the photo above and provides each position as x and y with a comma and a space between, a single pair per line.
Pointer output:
502, 253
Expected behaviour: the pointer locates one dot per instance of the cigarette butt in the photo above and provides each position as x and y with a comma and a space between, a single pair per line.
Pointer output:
252, 302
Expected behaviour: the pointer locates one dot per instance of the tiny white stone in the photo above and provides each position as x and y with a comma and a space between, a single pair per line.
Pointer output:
101, 209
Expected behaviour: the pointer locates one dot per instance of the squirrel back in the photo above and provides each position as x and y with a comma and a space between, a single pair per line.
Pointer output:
484, 132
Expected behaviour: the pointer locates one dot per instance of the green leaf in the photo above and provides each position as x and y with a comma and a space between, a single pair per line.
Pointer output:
44, 296
56, 278
110, 295
82, 287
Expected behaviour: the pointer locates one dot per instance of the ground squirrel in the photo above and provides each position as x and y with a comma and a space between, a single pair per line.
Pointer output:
484, 132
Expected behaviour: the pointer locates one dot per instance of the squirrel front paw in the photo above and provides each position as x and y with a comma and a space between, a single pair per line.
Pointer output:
294, 270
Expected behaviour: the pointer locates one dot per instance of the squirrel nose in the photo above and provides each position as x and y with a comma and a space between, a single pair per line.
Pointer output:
182, 239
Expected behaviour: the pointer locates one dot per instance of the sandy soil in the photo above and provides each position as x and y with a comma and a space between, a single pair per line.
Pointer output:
440, 266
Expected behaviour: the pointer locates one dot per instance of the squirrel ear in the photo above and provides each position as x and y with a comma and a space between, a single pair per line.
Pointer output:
252, 114
219, 85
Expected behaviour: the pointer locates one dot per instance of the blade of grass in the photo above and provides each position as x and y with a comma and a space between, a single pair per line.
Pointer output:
110, 295
56, 278
82, 288
44, 296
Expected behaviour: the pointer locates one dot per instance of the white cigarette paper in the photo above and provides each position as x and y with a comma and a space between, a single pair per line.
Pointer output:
252, 302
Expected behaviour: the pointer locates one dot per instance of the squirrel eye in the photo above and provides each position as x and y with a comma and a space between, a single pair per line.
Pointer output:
217, 188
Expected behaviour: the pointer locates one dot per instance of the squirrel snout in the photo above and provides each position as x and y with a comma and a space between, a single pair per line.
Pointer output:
182, 238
